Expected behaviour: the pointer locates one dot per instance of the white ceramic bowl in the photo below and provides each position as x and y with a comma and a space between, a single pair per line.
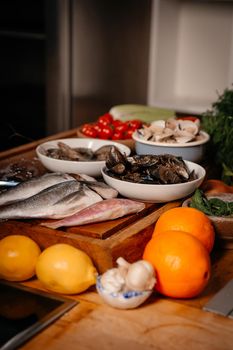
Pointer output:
192, 151
157, 193
91, 168
122, 300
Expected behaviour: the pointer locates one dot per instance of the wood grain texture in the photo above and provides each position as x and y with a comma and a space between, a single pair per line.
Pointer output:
158, 325
161, 323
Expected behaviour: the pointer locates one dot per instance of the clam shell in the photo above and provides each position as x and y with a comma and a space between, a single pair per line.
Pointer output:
172, 130
172, 124
164, 135
189, 126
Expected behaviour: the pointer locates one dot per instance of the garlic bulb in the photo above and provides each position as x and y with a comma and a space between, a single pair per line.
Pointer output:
128, 285
113, 281
140, 276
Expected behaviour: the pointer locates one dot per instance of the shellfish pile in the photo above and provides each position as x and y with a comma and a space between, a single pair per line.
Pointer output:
171, 131
150, 169
65, 152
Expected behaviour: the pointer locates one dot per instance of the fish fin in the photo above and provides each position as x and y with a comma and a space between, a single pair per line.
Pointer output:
71, 197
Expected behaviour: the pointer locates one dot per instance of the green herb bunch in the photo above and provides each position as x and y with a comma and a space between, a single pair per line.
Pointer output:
212, 206
218, 123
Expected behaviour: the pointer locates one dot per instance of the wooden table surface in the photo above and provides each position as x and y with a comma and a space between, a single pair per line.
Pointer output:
160, 323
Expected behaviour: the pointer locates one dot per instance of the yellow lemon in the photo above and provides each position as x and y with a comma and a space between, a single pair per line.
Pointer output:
18, 257
65, 269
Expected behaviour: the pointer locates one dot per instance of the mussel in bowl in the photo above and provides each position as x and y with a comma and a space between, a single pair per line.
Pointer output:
148, 169
154, 179
74, 164
82, 154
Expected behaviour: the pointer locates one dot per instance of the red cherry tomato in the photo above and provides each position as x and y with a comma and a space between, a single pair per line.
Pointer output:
98, 128
135, 124
106, 133
105, 119
121, 127
128, 134
116, 122
117, 135
188, 117
88, 130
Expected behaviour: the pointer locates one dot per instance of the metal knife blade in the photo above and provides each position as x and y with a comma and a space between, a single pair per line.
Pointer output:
8, 183
222, 302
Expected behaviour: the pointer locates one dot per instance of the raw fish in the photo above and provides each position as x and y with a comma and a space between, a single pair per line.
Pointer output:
31, 187
105, 191
56, 202
108, 209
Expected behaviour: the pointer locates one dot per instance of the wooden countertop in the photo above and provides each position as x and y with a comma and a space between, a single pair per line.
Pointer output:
160, 323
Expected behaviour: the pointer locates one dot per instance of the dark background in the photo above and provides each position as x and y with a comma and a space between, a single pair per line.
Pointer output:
22, 72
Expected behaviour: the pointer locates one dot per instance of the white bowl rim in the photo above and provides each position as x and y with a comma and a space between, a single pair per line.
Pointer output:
86, 140
138, 184
170, 144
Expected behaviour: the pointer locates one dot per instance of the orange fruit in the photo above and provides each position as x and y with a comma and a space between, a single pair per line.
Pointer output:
182, 264
18, 257
188, 220
65, 269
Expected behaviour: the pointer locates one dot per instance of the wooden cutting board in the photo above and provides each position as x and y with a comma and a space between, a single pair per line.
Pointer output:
103, 242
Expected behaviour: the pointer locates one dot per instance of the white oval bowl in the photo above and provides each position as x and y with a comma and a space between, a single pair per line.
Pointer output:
122, 300
192, 151
157, 193
91, 168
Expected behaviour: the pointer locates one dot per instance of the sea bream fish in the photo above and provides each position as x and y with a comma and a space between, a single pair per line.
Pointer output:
31, 187
55, 202
105, 191
108, 209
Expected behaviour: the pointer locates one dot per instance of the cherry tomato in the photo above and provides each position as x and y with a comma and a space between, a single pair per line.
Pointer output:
106, 133
116, 122
117, 135
188, 117
122, 127
128, 134
134, 124
105, 119
88, 130
98, 128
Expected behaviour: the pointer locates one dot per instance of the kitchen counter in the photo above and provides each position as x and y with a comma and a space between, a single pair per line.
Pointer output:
160, 323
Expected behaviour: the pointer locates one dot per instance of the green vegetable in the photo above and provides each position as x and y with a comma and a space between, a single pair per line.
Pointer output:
200, 202
212, 206
218, 123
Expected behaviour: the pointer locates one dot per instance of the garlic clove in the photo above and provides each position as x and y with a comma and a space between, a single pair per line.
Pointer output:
140, 276
123, 266
113, 281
